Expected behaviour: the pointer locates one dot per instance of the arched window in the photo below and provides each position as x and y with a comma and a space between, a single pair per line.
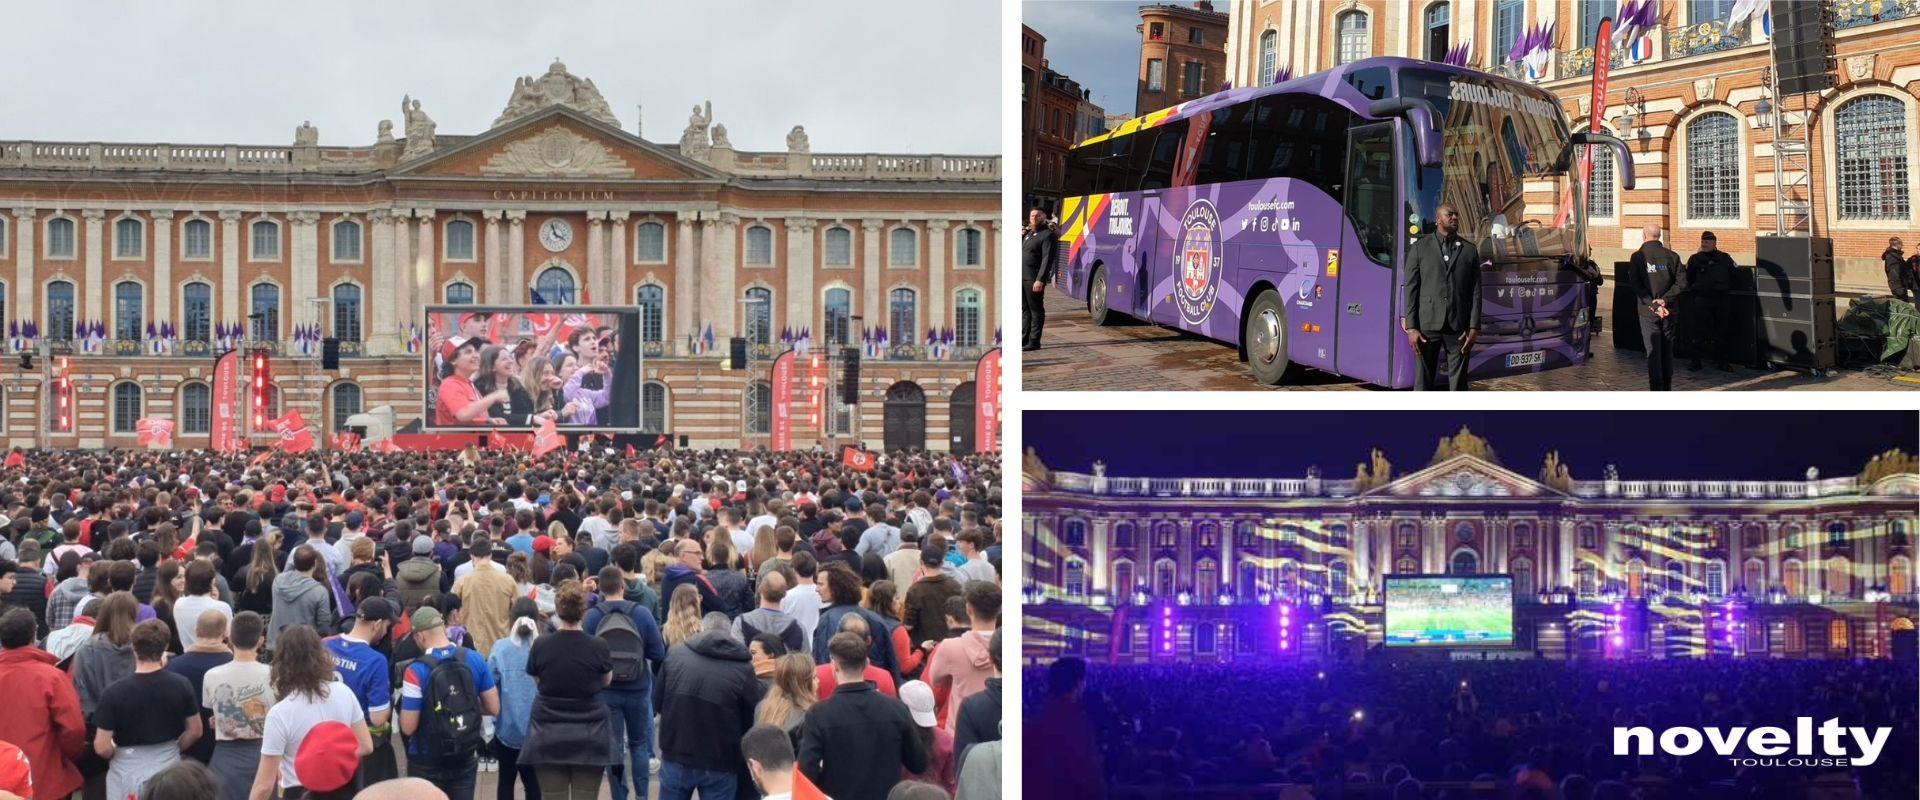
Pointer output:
196, 239
1589, 536
1839, 577
1464, 562
1165, 534
652, 299
1636, 578
1269, 57
1206, 535
1123, 535
758, 408
1713, 167
266, 303
196, 300
1246, 580
1837, 532
346, 240
650, 243
966, 318
653, 407
759, 312
839, 247
459, 240
1899, 576
838, 316
1243, 533
1753, 576
126, 407
1439, 17
196, 408
1795, 639
1676, 577
1585, 580
346, 403
346, 313
1073, 533
903, 316
1122, 578
554, 287
1509, 16
1337, 536
1337, 583
60, 237
266, 240
460, 293
1839, 638
129, 238
967, 247
129, 306
1523, 535
1354, 41
1074, 583
60, 310
1716, 579
1289, 579
1206, 580
1793, 577
1522, 571
903, 247
1406, 535
759, 250
1405, 565
1163, 577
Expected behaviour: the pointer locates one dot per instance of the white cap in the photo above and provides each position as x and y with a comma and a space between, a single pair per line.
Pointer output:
919, 699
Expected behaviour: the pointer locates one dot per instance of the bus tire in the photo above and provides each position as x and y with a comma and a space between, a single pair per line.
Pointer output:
1264, 333
1097, 305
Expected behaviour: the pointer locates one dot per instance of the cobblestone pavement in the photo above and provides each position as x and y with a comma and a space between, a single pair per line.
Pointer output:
1133, 356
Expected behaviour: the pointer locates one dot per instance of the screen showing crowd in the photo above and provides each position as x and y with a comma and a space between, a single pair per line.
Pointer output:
512, 368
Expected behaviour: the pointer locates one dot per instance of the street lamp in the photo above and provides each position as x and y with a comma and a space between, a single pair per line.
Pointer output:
1634, 111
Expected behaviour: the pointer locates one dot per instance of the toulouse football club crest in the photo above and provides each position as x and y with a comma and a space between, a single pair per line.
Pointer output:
1198, 262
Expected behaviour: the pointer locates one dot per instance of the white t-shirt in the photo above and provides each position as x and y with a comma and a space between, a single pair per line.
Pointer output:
803, 604
187, 611
240, 693
290, 719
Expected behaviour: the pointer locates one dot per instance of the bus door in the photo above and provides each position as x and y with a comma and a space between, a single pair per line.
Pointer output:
1365, 266
1154, 258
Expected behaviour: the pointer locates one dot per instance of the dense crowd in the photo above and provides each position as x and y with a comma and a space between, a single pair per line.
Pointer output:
184, 624
1405, 730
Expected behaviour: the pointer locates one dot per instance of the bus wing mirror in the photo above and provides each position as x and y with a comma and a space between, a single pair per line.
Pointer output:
1419, 113
1619, 148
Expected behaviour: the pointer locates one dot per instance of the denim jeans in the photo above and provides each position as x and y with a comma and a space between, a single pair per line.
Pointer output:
632, 715
456, 780
679, 783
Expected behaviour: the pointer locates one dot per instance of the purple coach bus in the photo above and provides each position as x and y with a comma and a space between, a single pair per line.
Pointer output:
1278, 218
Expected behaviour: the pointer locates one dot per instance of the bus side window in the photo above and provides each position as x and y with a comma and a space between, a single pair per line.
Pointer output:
1157, 173
1300, 137
1369, 191
1081, 169
1113, 162
1224, 157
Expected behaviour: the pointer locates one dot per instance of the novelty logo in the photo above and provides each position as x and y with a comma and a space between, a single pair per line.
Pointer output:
1763, 744
1198, 262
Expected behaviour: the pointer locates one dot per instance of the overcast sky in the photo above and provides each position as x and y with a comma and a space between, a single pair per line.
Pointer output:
1093, 42
861, 75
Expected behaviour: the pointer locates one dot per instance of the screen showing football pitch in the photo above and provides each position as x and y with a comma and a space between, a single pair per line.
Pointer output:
1449, 611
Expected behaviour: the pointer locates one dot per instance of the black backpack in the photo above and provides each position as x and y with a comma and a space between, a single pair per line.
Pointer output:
623, 641
450, 718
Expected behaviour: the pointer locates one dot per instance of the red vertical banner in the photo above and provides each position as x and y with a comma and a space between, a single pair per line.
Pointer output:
226, 404
1597, 105
783, 401
986, 411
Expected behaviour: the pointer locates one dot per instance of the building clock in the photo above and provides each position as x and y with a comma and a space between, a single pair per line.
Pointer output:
556, 235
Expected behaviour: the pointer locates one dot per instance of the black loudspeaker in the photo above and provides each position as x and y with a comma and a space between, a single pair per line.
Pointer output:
1626, 319
850, 376
1804, 337
26, 361
683, 440
1803, 51
737, 352
1793, 265
1791, 305
330, 353
1743, 323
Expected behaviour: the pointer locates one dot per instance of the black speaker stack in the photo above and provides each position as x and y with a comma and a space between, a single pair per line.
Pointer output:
1803, 56
850, 376
737, 352
330, 353
1790, 306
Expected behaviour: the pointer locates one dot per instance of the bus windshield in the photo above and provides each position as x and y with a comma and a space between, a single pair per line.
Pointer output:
1497, 138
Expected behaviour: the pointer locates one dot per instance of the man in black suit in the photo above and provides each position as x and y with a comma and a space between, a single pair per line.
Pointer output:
1658, 281
1443, 300
1709, 280
1037, 245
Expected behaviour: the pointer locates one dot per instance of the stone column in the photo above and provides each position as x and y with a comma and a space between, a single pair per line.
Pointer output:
25, 225
800, 273
686, 283
382, 315
937, 259
870, 297
726, 325
596, 255
95, 308
163, 266
496, 289
1773, 557
990, 303
400, 265
306, 263
1569, 552
516, 257
230, 262
425, 257
618, 259
712, 306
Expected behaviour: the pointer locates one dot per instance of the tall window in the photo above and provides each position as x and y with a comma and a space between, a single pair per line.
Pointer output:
129, 238
839, 247
1156, 75
1269, 57
759, 245
1439, 18
1713, 167
650, 243
196, 300
1191, 74
1716, 579
60, 310
1899, 576
1600, 198
3, 237
966, 318
460, 240
129, 303
838, 317
652, 300
903, 247
1509, 16
266, 240
346, 240
653, 407
1464, 563
1354, 42
554, 287
346, 403
967, 247
1590, 13
196, 239
1699, 11
460, 293
126, 407
758, 409
196, 408
1870, 145
346, 312
903, 316
266, 303
60, 238
759, 313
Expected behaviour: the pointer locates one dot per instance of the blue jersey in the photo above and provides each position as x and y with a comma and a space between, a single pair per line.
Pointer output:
363, 670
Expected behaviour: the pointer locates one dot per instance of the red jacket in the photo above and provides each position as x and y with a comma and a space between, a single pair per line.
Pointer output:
43, 719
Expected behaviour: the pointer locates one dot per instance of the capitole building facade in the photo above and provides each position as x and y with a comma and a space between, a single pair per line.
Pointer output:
105, 248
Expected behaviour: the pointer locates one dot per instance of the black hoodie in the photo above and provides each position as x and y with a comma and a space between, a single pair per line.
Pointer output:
705, 695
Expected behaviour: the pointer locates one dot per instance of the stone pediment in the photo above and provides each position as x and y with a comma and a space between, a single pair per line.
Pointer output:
1464, 476
556, 153
559, 143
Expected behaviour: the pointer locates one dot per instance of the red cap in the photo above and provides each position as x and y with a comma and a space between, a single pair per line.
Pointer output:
542, 543
16, 775
328, 757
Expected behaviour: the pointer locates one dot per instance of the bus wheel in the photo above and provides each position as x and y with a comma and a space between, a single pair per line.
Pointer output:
1097, 299
1264, 332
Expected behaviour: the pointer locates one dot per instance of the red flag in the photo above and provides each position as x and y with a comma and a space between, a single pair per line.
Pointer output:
154, 431
546, 438
804, 789
782, 438
346, 442
857, 458
630, 451
387, 445
295, 436
257, 460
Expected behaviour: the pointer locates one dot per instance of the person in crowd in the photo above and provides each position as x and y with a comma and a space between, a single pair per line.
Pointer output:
794, 690
802, 601
301, 596
1709, 282
768, 618
973, 547
208, 650
979, 717
980, 778
235, 697
769, 753
170, 583
840, 588
881, 680
67, 594
257, 581
683, 616
106, 657
1068, 732
930, 588
508, 661
731, 585
444, 692
143, 722
309, 695
1442, 300
903, 564
484, 595
706, 694
688, 570
764, 650
636, 651
201, 596
938, 742
42, 712
184, 780
570, 738
363, 668
418, 577
855, 743
883, 599
1896, 267
965, 664
1038, 243
1658, 282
